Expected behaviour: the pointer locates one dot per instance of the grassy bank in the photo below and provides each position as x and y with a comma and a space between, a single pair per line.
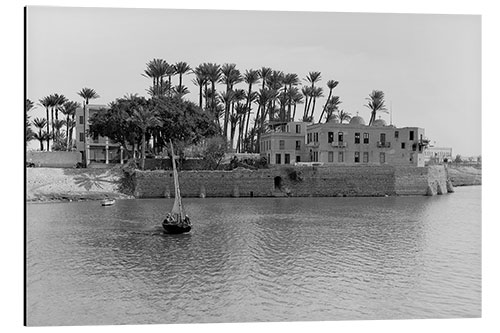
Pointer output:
59, 184
464, 175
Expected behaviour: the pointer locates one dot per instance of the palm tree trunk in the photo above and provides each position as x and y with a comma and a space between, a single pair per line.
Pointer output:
305, 109
314, 104
201, 96
294, 108
326, 104
67, 132
48, 129
143, 150
52, 116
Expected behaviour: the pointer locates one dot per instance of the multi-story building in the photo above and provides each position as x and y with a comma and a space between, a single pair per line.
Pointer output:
355, 143
286, 145
438, 154
99, 149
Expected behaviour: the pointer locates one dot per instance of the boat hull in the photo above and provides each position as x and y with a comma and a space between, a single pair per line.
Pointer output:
175, 229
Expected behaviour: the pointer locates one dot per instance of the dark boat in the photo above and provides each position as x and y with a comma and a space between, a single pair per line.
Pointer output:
176, 222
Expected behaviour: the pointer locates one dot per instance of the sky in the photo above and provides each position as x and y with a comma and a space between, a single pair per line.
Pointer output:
429, 66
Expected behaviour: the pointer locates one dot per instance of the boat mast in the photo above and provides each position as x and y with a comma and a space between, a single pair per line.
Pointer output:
178, 202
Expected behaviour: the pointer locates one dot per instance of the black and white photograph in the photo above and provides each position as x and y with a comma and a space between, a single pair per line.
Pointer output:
196, 166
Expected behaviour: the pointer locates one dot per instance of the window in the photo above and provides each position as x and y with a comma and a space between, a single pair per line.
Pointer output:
366, 138
330, 137
396, 135
316, 137
262, 146
297, 158
278, 158
308, 137
287, 158
341, 137
81, 120
356, 157
382, 137
287, 128
414, 147
403, 145
365, 157
412, 134
282, 144
268, 158
382, 157
81, 137
330, 156
341, 156
315, 156
297, 145
356, 137
297, 128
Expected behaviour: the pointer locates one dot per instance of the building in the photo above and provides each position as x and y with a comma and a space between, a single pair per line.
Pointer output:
286, 145
99, 149
354, 143
438, 155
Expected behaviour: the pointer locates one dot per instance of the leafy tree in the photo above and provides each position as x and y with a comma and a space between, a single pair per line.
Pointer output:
458, 159
214, 151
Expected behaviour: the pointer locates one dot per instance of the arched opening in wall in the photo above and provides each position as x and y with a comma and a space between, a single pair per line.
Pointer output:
277, 183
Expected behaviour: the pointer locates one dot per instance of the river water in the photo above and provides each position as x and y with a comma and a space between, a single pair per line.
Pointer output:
255, 259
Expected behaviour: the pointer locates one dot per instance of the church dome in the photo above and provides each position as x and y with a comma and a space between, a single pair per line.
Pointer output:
357, 120
379, 123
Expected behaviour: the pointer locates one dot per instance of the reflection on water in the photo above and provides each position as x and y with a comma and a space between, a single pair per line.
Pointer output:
258, 259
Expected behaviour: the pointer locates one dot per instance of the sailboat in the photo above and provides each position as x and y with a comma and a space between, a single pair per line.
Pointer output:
176, 222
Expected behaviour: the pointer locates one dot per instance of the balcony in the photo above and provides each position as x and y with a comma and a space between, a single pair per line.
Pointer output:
383, 144
339, 144
313, 144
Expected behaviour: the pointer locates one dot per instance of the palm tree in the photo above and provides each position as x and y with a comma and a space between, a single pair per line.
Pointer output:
250, 77
332, 107
181, 68
29, 132
69, 110
200, 80
331, 84
264, 97
156, 70
264, 73
375, 103
344, 116
46, 103
87, 94
290, 80
229, 76
213, 73
40, 124
307, 92
316, 92
144, 119
296, 98
312, 78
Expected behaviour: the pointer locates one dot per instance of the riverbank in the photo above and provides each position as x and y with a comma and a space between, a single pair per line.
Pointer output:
60, 184
67, 184
464, 175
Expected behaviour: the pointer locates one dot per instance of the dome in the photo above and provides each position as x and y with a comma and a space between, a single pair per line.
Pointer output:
357, 120
379, 123
333, 120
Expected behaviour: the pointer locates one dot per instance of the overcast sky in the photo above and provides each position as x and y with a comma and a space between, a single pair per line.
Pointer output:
429, 66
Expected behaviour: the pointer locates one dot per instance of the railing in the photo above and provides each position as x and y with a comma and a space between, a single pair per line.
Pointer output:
339, 144
383, 144
313, 144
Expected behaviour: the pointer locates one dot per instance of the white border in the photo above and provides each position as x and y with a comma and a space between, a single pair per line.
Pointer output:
11, 20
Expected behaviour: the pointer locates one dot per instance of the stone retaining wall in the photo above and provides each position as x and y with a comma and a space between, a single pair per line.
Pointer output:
54, 159
296, 181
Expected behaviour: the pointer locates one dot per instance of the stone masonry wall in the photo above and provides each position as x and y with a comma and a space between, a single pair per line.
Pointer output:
54, 159
296, 181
